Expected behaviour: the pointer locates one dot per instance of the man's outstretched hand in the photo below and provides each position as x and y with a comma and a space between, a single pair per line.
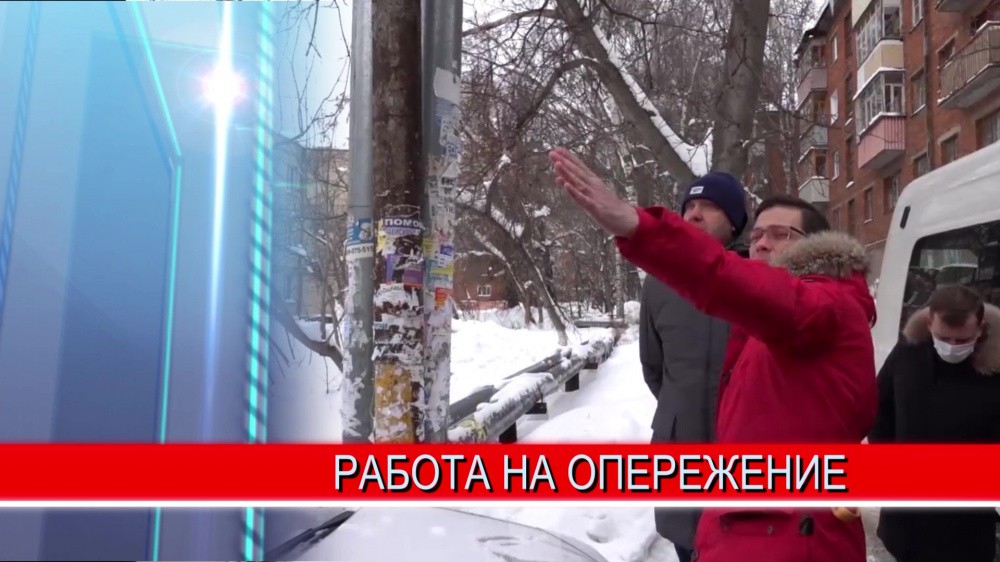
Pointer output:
611, 213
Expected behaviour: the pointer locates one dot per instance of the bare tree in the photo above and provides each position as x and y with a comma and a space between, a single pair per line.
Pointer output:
651, 92
646, 90
310, 186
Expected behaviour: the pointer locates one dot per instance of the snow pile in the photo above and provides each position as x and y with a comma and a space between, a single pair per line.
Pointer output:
631, 316
513, 317
304, 398
483, 353
305, 395
632, 312
298, 250
511, 401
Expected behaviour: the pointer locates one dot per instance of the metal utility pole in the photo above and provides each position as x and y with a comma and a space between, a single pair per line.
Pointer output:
398, 183
358, 400
441, 116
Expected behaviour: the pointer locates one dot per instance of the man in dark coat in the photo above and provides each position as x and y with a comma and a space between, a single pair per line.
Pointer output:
681, 348
941, 384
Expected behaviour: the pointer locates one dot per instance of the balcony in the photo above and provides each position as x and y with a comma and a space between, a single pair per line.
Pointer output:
811, 79
955, 5
973, 74
883, 142
888, 53
815, 138
815, 190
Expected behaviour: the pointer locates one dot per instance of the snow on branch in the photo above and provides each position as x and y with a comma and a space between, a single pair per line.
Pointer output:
509, 18
514, 229
697, 157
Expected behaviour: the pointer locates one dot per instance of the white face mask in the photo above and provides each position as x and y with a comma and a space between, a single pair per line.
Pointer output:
954, 353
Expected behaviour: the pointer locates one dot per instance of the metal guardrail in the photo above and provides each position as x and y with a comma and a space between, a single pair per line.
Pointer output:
491, 412
465, 407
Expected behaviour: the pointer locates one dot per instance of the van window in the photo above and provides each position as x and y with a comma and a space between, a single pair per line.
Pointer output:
966, 256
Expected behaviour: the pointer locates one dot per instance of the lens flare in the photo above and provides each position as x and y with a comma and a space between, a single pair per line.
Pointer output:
223, 87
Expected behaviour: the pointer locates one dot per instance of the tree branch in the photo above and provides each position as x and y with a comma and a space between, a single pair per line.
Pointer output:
614, 80
292, 327
510, 18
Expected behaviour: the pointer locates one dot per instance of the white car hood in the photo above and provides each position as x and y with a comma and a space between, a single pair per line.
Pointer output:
432, 534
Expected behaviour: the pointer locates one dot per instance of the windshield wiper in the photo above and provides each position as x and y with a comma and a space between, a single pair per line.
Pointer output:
314, 534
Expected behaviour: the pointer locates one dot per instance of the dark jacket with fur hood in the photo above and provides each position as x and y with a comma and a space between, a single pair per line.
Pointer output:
912, 407
922, 399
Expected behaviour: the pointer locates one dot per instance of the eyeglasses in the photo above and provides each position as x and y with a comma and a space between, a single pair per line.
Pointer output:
776, 232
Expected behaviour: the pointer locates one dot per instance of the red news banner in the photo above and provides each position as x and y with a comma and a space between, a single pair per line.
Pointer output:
442, 473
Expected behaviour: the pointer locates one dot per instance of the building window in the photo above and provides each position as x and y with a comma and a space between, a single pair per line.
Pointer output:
945, 53
918, 11
852, 225
879, 23
890, 192
834, 106
485, 291
835, 219
949, 150
869, 204
918, 89
818, 113
815, 57
819, 167
988, 129
921, 165
990, 14
833, 47
836, 163
883, 95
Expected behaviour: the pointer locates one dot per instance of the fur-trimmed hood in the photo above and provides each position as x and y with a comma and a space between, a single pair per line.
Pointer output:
986, 357
829, 253
837, 256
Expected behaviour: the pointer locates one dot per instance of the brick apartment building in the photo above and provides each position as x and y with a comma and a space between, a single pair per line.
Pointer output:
889, 90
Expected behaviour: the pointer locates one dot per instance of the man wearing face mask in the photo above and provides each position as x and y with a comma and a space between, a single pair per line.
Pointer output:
941, 384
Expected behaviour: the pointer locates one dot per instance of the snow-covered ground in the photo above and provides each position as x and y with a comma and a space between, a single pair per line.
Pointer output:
483, 352
612, 405
486, 347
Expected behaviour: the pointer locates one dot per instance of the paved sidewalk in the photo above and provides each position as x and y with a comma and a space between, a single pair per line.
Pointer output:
876, 551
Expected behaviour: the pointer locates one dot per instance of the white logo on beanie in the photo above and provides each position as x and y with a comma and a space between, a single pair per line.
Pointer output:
696, 190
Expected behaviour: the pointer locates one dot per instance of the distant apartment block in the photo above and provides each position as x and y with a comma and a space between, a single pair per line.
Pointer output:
888, 91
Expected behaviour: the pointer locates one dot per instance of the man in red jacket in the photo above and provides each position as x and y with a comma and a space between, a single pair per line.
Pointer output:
800, 364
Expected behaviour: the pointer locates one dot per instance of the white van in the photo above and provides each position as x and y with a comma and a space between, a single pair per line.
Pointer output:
945, 228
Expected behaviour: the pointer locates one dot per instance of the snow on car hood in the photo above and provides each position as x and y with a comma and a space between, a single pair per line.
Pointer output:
433, 534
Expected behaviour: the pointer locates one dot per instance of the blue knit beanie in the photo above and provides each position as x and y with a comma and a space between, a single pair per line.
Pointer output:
726, 192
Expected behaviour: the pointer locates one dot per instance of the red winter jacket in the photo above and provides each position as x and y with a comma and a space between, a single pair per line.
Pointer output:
800, 367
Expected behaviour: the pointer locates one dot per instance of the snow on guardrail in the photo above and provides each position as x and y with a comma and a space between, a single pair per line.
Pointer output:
517, 395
